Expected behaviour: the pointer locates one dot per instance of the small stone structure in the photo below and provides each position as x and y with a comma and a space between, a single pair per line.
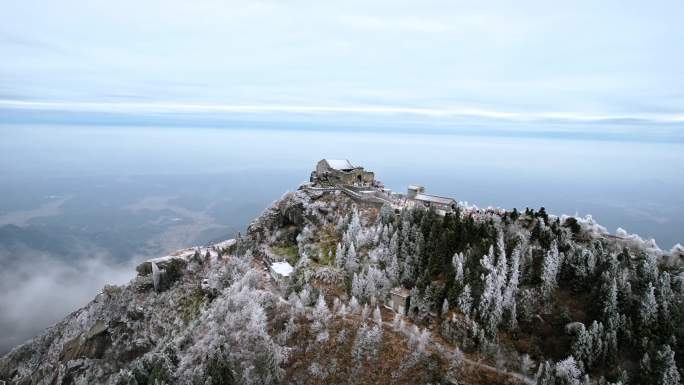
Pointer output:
442, 205
341, 172
399, 300
412, 190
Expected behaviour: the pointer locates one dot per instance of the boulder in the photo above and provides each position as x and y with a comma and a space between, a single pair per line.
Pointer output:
90, 344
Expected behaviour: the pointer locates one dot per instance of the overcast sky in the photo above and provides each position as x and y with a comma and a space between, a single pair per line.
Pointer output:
569, 59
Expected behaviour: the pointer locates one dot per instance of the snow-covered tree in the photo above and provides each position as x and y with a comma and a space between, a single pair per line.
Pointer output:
341, 223
598, 343
370, 284
393, 270
321, 317
648, 310
568, 373
665, 297
610, 302
351, 263
666, 372
490, 309
367, 344
353, 304
550, 270
455, 363
358, 286
377, 317
236, 319
458, 262
465, 301
445, 308
340, 257
321, 313
513, 280
365, 311
394, 244
582, 346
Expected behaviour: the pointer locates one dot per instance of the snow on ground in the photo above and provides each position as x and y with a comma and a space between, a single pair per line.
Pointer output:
282, 268
226, 243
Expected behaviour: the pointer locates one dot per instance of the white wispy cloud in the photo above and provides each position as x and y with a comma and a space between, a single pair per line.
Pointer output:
439, 112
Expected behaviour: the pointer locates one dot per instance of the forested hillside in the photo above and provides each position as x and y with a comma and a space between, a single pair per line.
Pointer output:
496, 297
554, 298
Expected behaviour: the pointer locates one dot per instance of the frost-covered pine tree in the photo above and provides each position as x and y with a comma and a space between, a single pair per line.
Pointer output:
648, 310
342, 223
514, 276
423, 340
305, 295
394, 244
610, 303
340, 257
353, 304
367, 344
408, 268
377, 317
357, 288
582, 345
546, 374
386, 213
365, 311
377, 284
665, 297
343, 311
465, 301
490, 309
458, 261
455, 363
666, 367
321, 317
354, 227
568, 373
321, 311
598, 346
550, 271
351, 263
445, 308
645, 367
393, 270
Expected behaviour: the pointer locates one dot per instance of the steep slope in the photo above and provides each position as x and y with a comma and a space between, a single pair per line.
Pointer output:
496, 297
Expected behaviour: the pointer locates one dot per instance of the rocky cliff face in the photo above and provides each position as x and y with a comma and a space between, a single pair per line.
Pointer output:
483, 284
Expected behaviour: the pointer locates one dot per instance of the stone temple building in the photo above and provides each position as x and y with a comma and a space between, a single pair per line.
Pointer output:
341, 172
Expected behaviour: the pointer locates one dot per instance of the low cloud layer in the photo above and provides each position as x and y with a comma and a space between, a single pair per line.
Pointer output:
41, 291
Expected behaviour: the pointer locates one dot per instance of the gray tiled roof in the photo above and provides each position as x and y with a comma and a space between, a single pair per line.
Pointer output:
434, 199
339, 164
